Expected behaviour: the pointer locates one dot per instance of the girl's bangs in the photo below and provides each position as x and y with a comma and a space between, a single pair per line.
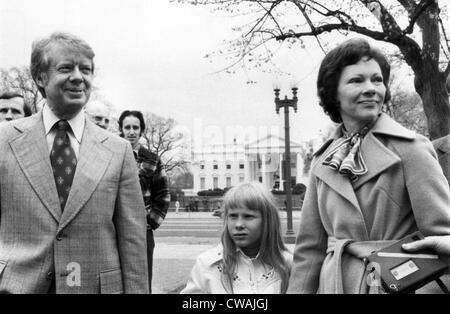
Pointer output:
244, 198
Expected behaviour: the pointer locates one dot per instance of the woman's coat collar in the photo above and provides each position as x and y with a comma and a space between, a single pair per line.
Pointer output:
377, 156
385, 125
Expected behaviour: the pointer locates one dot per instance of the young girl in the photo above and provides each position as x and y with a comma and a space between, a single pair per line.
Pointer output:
252, 257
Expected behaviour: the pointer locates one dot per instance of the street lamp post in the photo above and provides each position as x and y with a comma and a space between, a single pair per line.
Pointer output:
286, 103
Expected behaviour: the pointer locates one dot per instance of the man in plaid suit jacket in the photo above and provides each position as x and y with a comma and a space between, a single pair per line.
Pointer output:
96, 241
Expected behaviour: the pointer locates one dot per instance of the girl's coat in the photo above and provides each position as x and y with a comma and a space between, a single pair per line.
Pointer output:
251, 276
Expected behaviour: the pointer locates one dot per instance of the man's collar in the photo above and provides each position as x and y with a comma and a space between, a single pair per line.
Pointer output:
76, 123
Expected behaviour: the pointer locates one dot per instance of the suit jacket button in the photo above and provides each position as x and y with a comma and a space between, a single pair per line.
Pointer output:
50, 275
59, 237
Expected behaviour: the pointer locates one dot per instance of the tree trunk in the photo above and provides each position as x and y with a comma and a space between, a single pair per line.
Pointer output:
430, 85
429, 81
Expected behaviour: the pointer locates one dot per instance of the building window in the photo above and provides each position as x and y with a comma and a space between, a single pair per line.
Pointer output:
241, 178
241, 165
260, 179
202, 166
228, 166
216, 182
228, 182
215, 165
202, 184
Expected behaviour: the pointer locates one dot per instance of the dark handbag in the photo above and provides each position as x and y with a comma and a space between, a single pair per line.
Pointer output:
399, 271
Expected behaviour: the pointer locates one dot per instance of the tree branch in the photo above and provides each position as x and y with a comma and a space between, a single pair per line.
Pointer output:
420, 8
331, 27
310, 23
444, 33
267, 14
334, 13
409, 5
242, 56
387, 22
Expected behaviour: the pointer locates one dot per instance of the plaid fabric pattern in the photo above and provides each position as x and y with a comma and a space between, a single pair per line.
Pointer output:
154, 185
64, 161
102, 227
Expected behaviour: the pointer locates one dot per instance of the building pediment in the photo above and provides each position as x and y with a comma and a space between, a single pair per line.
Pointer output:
271, 144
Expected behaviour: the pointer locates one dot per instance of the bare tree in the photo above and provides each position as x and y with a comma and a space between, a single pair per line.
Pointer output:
166, 142
407, 109
414, 27
19, 79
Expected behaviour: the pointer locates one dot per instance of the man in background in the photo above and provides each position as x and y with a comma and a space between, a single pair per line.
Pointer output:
12, 106
442, 147
99, 113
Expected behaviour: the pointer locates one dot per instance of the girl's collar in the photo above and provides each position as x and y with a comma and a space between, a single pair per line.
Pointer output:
240, 251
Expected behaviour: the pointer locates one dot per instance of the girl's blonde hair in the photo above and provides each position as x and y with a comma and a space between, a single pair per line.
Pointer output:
255, 196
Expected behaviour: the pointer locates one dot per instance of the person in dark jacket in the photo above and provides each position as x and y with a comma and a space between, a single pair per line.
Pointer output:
152, 177
442, 147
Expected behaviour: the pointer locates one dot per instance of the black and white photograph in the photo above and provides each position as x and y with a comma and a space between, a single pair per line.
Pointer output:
203, 148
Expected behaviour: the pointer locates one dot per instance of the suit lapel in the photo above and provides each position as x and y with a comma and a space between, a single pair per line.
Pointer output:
93, 160
377, 157
332, 178
342, 186
31, 151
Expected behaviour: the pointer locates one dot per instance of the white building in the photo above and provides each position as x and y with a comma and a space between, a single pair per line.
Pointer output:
226, 165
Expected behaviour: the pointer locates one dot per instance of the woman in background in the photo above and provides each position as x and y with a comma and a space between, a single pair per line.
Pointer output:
152, 177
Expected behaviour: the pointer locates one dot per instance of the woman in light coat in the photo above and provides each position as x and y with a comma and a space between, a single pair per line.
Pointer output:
373, 182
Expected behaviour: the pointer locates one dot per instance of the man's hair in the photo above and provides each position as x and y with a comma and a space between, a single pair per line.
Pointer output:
39, 52
347, 53
133, 113
11, 95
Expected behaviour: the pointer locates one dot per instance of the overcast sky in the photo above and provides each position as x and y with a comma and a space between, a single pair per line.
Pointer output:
150, 57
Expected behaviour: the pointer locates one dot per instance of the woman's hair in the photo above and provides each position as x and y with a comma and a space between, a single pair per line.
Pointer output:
254, 196
348, 53
133, 113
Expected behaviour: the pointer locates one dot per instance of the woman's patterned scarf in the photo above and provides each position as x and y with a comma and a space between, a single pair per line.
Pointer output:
346, 155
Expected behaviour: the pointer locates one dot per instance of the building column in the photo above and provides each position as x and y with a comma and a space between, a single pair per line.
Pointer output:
247, 165
263, 169
300, 165
281, 173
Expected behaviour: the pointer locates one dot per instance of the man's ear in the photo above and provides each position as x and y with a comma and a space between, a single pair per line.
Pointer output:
41, 80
